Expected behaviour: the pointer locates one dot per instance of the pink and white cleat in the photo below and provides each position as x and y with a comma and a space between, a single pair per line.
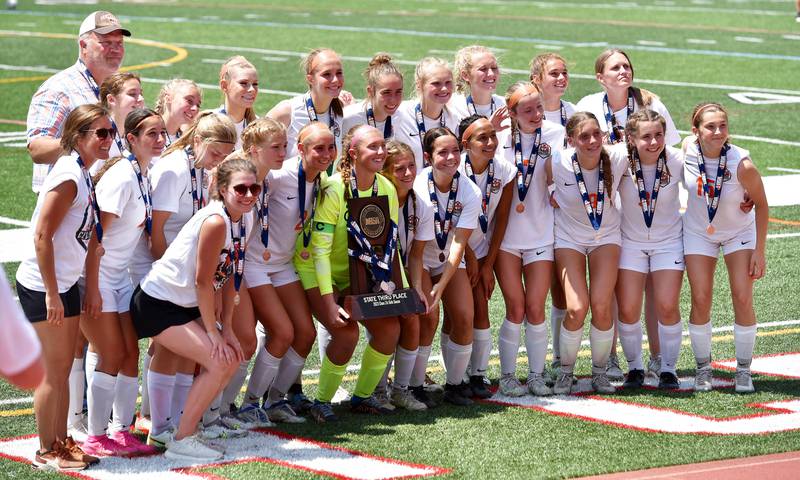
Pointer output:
129, 440
103, 446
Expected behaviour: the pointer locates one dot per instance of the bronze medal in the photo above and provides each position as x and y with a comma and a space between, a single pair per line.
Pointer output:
236, 299
710, 229
520, 207
441, 256
265, 255
304, 254
100, 251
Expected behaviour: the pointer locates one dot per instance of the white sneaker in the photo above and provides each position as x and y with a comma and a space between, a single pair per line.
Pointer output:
382, 396
161, 440
613, 372
218, 430
282, 412
601, 384
510, 386
702, 379
653, 368
78, 430
403, 398
563, 385
537, 385
254, 416
192, 449
232, 422
744, 381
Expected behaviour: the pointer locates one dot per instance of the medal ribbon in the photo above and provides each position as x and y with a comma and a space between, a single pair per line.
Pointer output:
146, 195
90, 80
263, 213
525, 175
98, 228
564, 121
611, 119
301, 196
225, 112
595, 214
421, 124
198, 201
117, 138
487, 194
387, 125
239, 251
649, 206
471, 105
442, 228
713, 203
412, 199
312, 115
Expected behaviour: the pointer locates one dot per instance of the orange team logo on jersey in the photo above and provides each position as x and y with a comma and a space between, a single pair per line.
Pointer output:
593, 200
711, 189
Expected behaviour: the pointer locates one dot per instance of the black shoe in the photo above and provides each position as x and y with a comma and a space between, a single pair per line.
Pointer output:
478, 387
369, 406
466, 390
635, 379
668, 381
421, 395
455, 394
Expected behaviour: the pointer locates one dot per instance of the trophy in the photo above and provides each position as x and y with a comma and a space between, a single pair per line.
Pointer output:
372, 244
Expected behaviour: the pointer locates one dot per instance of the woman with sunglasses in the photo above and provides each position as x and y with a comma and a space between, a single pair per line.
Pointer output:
64, 221
123, 197
185, 303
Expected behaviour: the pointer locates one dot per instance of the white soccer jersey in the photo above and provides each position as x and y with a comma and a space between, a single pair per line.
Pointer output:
71, 239
420, 223
299, 119
284, 217
729, 220
666, 227
118, 192
555, 115
461, 109
504, 172
172, 190
533, 227
571, 220
356, 114
172, 277
240, 126
406, 129
466, 210
594, 103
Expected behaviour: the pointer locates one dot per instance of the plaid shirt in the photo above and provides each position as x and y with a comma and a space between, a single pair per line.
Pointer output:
51, 104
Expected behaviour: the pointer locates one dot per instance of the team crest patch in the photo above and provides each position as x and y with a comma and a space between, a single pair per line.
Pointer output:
496, 185
224, 269
206, 179
457, 208
665, 178
727, 175
413, 222
544, 150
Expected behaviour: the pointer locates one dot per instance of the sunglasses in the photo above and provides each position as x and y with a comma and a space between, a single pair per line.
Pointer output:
242, 189
102, 133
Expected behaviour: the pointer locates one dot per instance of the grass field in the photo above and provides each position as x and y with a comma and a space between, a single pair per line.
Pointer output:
685, 51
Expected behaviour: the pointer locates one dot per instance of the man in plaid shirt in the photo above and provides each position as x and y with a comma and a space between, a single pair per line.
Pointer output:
101, 51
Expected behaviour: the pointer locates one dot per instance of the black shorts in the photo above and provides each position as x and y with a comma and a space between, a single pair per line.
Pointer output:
35, 308
152, 316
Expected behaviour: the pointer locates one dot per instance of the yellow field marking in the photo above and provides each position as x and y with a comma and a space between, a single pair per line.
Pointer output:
785, 222
180, 53
16, 413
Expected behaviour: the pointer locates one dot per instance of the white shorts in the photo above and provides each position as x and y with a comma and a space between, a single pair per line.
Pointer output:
116, 300
694, 244
256, 275
530, 255
438, 270
138, 272
665, 257
584, 248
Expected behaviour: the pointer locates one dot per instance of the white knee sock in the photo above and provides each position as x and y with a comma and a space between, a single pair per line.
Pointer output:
145, 408
457, 360
744, 339
264, 371
420, 366
556, 320
291, 368
323, 339
600, 341
481, 349
404, 361
536, 345
91, 363
444, 340
701, 342
213, 413
231, 391
570, 343
183, 383
101, 401
161, 387
77, 388
508, 345
384, 381
126, 391
670, 338
630, 336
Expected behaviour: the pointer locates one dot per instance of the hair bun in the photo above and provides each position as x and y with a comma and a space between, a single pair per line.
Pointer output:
380, 58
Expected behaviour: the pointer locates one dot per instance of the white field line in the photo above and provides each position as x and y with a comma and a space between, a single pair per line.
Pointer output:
701, 41
420, 33
772, 236
14, 221
15, 401
781, 169
774, 141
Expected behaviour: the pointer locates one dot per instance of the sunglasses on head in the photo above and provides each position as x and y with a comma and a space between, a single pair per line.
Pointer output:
101, 133
242, 189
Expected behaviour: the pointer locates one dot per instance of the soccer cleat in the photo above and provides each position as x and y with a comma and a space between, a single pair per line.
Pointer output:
510, 386
77, 453
404, 398
466, 390
668, 381
78, 429
281, 412
217, 429
635, 379
601, 383
129, 440
454, 394
381, 396
299, 402
537, 385
477, 383
193, 449
613, 371
161, 440
57, 459
431, 386
421, 395
563, 385
744, 381
232, 422
369, 406
322, 412
702, 379
653, 367
253, 415
103, 446
143, 425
